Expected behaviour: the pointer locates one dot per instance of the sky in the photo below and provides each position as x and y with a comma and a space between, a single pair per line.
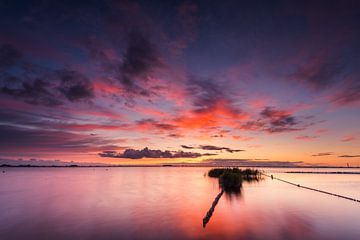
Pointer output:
146, 82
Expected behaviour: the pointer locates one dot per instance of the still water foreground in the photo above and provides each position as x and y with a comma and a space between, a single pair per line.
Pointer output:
170, 203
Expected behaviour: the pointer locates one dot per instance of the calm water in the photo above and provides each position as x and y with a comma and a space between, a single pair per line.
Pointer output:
170, 203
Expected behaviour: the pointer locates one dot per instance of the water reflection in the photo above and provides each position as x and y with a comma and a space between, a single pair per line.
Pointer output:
231, 182
169, 203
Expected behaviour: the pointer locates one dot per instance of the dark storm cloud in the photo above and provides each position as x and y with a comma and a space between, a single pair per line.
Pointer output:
74, 85
38, 85
149, 153
140, 59
36, 92
133, 39
349, 156
322, 154
212, 148
132, 68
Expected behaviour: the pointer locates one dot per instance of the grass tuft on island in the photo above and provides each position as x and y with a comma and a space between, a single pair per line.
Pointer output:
231, 179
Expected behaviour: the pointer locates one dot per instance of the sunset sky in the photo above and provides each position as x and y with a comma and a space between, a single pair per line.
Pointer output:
99, 81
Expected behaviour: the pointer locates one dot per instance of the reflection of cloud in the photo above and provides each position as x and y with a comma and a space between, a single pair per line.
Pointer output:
295, 227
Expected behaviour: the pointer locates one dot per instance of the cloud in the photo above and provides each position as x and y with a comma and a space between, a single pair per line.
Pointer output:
306, 137
349, 94
153, 124
211, 106
175, 135
212, 148
186, 23
278, 120
187, 147
349, 156
37, 140
148, 153
74, 85
206, 94
349, 138
39, 85
322, 154
242, 138
332, 70
49, 121
321, 71
273, 120
140, 59
37, 92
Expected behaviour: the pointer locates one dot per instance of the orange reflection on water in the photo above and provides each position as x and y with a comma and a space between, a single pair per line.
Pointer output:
156, 203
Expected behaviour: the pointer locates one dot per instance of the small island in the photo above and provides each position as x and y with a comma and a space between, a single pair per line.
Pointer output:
231, 179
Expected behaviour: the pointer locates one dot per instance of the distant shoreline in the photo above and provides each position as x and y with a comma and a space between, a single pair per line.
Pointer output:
169, 165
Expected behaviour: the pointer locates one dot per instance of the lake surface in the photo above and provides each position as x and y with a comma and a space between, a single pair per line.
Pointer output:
171, 202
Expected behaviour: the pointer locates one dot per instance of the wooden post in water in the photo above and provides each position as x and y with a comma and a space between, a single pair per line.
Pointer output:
208, 215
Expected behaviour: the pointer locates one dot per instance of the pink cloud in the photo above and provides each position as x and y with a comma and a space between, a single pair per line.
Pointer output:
306, 137
349, 138
242, 138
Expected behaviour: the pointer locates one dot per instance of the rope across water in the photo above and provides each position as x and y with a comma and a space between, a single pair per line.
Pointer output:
313, 189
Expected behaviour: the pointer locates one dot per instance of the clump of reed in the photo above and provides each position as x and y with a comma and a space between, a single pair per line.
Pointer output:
231, 179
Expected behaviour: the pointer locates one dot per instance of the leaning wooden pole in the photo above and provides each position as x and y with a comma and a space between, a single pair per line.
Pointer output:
208, 215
